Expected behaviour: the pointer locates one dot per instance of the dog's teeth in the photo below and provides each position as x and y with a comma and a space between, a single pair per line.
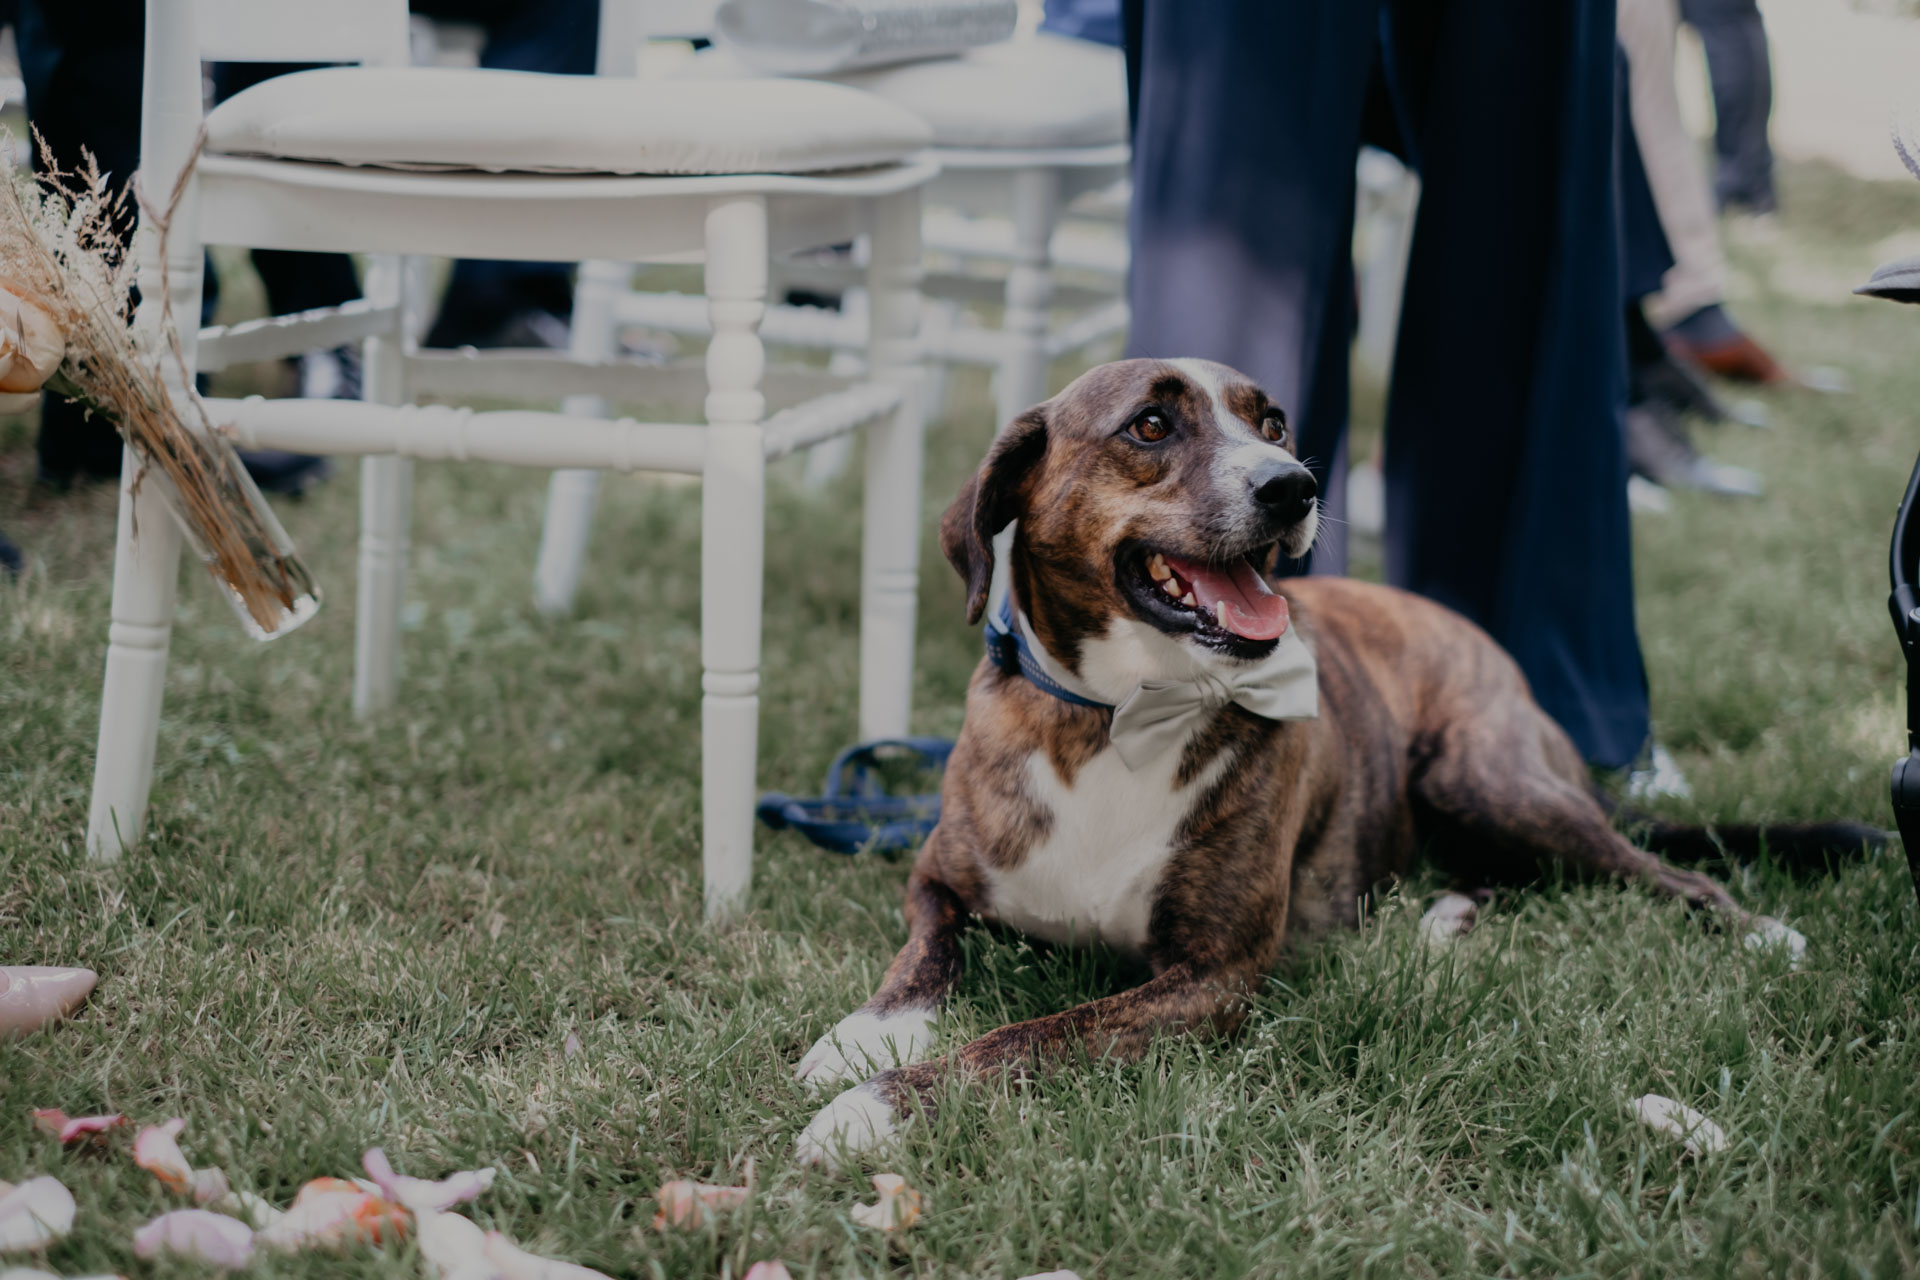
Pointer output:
1158, 568
1172, 587
1188, 600
1220, 612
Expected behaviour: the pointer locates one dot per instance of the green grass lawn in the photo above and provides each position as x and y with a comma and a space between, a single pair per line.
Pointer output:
341, 934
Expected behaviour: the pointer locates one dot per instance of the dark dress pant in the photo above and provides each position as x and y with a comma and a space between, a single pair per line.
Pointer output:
1741, 70
1505, 461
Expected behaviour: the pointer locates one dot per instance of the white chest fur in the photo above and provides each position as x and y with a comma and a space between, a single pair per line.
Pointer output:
1096, 874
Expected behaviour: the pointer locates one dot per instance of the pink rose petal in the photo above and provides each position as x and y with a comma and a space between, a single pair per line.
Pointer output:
454, 1247
73, 1128
515, 1263
768, 1271
684, 1203
897, 1209
571, 1046
330, 1212
196, 1233
419, 1194
157, 1150
34, 1214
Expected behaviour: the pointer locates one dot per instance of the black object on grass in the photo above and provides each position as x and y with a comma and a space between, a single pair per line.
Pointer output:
1900, 282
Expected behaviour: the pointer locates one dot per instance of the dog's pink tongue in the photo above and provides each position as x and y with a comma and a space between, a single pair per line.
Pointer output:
1252, 611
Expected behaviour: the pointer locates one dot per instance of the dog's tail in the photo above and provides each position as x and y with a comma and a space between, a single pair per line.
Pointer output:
1797, 846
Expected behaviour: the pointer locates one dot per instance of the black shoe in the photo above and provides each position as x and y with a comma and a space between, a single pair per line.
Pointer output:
1682, 390
1659, 450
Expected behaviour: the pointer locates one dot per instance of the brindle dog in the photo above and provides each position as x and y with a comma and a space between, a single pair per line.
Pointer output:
1146, 494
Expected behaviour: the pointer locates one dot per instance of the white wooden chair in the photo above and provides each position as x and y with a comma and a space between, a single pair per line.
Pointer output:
385, 159
1020, 130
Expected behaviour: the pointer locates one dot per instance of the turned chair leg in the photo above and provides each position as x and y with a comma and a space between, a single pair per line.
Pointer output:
1022, 379
732, 547
573, 493
890, 553
146, 573
146, 553
386, 516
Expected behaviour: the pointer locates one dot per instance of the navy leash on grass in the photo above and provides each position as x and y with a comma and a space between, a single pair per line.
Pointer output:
853, 812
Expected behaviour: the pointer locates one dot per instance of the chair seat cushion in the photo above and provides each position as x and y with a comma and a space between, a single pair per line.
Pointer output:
1043, 91
524, 122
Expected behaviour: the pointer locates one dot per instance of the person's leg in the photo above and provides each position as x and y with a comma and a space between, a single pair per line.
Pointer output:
1506, 470
1741, 70
1681, 191
1242, 222
522, 303
81, 61
293, 281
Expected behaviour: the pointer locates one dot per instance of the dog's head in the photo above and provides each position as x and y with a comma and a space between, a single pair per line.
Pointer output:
1151, 496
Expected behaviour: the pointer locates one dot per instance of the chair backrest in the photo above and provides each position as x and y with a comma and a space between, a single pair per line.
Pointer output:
373, 32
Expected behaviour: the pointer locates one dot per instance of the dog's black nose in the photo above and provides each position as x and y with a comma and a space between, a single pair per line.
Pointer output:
1285, 489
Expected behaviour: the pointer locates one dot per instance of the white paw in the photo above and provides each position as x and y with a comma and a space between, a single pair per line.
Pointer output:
1450, 916
864, 1043
1768, 933
856, 1122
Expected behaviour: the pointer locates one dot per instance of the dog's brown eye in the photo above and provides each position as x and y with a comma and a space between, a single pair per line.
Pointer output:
1148, 428
1274, 428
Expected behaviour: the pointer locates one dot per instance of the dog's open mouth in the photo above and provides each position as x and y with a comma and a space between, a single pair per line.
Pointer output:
1227, 604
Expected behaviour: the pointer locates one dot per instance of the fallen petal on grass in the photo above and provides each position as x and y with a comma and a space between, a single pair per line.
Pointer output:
248, 1206
201, 1234
1053, 1275
156, 1148
515, 1263
419, 1194
454, 1247
331, 1212
74, 1128
685, 1204
758, 1271
34, 1214
1677, 1120
571, 1046
897, 1209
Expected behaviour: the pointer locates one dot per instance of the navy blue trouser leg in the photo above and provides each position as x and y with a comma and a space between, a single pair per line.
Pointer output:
1247, 124
1506, 468
555, 36
1740, 67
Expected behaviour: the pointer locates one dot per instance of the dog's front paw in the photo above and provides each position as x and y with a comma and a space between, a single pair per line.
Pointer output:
864, 1043
858, 1121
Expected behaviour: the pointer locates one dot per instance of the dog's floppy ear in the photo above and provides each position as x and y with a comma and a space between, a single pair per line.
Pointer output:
986, 504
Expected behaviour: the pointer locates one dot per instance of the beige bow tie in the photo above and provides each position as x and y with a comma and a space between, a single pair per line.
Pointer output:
1159, 715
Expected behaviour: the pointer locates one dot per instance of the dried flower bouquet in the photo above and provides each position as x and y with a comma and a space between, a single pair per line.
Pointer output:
66, 308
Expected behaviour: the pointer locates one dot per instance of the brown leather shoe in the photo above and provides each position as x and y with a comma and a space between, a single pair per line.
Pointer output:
1738, 358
